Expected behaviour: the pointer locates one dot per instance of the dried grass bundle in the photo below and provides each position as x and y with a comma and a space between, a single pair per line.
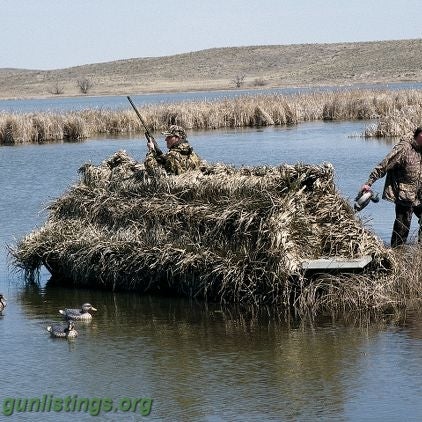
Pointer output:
222, 233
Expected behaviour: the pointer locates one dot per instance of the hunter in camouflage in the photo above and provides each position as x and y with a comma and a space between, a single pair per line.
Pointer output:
403, 184
180, 157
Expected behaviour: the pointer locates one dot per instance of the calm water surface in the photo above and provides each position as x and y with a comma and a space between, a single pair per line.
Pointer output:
201, 362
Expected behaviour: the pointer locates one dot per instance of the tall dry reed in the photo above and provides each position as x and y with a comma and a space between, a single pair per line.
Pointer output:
398, 112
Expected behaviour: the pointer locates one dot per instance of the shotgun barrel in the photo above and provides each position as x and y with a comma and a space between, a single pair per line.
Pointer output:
147, 132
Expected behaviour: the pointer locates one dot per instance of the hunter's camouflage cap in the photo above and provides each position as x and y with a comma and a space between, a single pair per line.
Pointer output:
175, 130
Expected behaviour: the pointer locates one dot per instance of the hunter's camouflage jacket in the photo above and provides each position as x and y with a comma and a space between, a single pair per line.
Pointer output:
179, 159
403, 166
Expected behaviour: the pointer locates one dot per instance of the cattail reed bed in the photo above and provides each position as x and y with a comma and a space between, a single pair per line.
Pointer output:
226, 234
398, 113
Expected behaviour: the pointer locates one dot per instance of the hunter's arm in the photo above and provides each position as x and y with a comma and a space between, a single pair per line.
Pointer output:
392, 159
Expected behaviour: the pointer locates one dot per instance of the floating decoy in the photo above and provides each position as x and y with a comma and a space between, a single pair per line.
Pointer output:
63, 331
78, 314
2, 302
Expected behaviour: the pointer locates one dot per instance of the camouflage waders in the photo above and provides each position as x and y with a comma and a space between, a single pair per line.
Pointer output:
402, 222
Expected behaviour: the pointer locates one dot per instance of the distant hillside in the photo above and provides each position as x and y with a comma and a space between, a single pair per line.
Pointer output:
218, 68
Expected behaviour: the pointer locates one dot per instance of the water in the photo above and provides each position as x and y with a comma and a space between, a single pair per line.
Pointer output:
200, 362
59, 104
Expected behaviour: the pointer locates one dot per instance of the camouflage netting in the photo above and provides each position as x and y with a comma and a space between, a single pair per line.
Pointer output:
225, 233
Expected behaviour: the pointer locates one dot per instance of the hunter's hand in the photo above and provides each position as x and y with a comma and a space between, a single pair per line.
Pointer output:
150, 142
150, 145
365, 188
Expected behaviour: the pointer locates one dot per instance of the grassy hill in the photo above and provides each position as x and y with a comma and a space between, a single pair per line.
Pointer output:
218, 68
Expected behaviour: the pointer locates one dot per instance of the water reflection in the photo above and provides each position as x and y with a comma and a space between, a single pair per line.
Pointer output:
192, 356
386, 141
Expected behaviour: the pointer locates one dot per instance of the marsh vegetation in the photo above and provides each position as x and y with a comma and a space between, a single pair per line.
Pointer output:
234, 235
396, 112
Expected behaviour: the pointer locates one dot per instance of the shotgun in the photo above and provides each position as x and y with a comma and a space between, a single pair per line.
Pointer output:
147, 132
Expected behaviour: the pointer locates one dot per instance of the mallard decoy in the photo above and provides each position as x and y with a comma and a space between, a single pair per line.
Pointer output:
78, 314
63, 331
2, 302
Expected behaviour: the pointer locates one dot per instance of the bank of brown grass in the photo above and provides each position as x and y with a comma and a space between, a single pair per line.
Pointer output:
397, 123
398, 113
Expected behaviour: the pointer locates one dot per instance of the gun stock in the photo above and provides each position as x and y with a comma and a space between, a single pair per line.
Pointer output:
147, 132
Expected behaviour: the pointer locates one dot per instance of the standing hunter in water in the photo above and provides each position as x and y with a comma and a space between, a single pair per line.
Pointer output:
180, 157
403, 184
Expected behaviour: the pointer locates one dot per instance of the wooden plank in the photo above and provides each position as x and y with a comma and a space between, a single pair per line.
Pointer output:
336, 263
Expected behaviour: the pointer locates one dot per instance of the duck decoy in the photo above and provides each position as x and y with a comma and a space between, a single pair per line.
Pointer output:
2, 302
78, 314
63, 331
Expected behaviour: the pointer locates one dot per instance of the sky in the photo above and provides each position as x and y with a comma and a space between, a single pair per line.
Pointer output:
55, 34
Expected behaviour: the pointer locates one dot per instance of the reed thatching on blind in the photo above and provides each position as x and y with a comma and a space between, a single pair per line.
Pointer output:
221, 233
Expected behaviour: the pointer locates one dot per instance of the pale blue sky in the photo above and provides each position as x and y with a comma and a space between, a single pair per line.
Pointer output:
52, 34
